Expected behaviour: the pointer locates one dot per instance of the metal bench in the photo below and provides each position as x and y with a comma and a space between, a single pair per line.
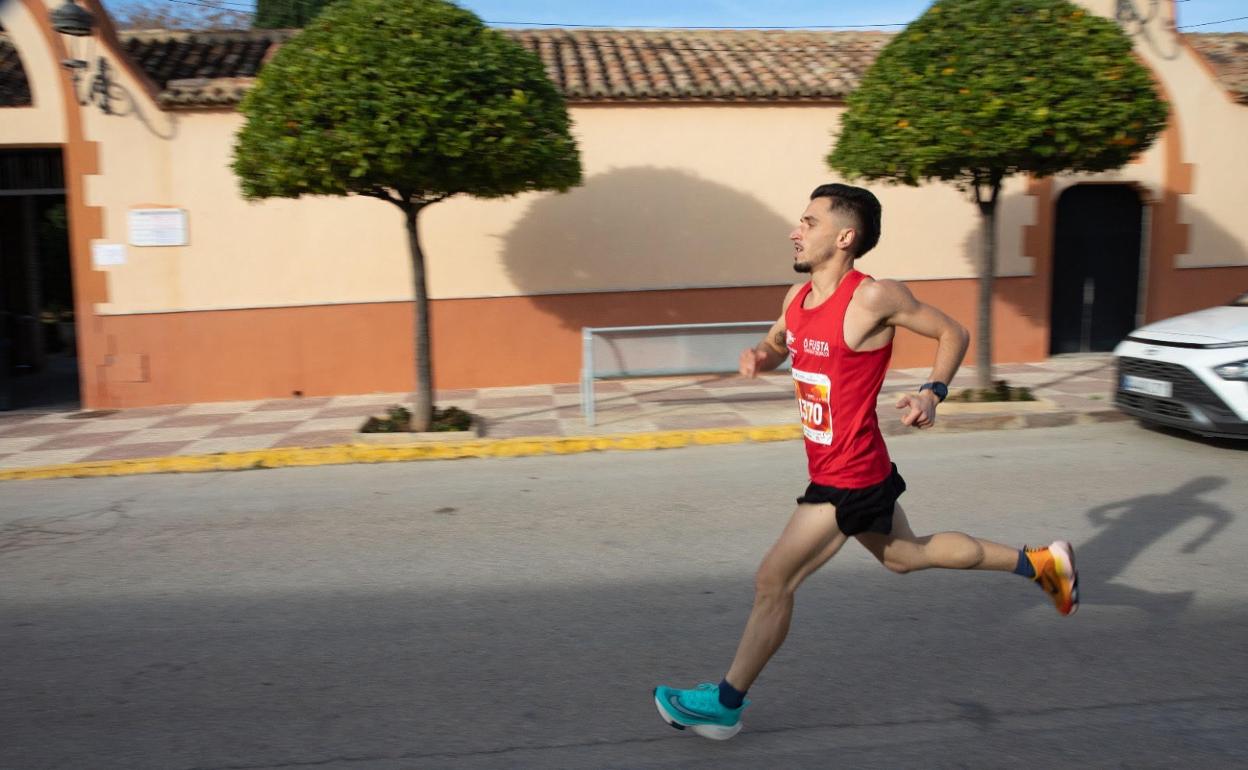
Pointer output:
615, 352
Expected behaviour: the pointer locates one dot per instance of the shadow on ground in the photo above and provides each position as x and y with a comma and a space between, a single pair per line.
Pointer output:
552, 677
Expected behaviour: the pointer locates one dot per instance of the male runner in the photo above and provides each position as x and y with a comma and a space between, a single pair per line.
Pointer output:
839, 328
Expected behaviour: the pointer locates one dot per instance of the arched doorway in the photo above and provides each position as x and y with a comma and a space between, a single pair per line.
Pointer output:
38, 356
1096, 267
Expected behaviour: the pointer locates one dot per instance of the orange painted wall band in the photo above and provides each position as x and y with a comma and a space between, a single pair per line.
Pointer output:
343, 349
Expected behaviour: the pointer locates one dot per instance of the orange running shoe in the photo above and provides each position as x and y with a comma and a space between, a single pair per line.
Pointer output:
1056, 574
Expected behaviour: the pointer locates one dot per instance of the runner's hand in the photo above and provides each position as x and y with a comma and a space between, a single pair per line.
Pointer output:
921, 409
749, 362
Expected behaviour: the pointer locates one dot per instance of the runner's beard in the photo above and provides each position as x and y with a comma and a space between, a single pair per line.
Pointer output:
802, 267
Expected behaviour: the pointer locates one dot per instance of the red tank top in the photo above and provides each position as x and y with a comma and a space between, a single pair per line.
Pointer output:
837, 389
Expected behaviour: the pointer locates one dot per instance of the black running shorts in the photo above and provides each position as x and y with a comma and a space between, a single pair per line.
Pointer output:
861, 510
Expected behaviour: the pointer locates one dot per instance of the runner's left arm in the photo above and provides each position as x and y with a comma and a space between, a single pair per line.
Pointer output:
952, 338
898, 307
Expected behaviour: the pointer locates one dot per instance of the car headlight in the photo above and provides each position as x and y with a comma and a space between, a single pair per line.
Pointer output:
1237, 370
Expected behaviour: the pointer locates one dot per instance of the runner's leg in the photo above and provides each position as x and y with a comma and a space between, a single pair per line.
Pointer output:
1051, 567
808, 541
901, 551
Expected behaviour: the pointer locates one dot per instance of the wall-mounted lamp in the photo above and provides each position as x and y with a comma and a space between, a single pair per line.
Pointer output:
74, 21
1127, 14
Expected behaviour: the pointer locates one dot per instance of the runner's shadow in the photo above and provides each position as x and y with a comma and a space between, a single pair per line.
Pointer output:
1129, 528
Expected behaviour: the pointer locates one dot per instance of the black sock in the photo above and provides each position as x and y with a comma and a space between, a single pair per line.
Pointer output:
1024, 567
729, 696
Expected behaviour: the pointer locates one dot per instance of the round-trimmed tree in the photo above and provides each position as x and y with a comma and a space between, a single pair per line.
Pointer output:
975, 91
410, 102
286, 14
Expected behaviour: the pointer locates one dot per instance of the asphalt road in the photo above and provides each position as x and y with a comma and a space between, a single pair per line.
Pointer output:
517, 613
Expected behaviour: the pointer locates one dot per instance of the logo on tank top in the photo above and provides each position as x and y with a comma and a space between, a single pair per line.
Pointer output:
790, 342
816, 348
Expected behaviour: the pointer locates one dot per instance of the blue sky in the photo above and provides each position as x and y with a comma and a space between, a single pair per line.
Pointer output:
747, 13
666, 13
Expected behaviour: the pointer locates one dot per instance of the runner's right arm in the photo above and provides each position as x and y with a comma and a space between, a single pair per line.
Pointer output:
772, 351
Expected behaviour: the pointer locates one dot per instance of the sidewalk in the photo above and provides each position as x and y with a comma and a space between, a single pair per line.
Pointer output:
1070, 389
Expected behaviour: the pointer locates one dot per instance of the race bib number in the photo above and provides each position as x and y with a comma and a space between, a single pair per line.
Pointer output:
813, 405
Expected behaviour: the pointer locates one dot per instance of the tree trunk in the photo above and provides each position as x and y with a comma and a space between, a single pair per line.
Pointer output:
987, 274
422, 408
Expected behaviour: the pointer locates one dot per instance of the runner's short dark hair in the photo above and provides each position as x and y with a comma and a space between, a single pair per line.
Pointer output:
862, 205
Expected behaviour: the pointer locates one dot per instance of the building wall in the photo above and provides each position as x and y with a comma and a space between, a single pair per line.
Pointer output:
698, 205
1198, 246
478, 342
690, 226
42, 123
683, 217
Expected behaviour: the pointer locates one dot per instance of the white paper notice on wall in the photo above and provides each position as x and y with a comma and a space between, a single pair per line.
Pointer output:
158, 227
108, 254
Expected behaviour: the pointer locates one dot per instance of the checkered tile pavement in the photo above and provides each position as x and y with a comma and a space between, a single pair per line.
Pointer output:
28, 439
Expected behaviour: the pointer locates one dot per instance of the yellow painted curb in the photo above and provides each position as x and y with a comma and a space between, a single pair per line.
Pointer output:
365, 453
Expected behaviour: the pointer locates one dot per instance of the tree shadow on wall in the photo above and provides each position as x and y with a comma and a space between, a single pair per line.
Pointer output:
643, 228
1018, 291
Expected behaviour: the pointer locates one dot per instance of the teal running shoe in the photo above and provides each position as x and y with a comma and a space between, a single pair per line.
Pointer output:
700, 710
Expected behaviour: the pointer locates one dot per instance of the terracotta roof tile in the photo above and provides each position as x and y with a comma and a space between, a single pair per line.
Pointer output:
203, 93
174, 55
1227, 54
197, 70
611, 65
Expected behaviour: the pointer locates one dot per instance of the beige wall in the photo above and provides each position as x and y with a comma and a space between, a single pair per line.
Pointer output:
674, 197
696, 204
683, 218
1215, 130
44, 121
271, 254
690, 196
1211, 134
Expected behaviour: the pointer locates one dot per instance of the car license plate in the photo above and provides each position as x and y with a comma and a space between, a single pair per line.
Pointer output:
1158, 388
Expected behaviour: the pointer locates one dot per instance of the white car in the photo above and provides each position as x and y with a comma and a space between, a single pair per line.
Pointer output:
1189, 372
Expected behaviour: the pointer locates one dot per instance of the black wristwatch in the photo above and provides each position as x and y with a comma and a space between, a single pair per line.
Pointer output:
939, 388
